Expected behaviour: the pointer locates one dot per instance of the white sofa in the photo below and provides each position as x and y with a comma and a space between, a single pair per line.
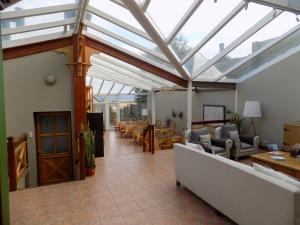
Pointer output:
244, 195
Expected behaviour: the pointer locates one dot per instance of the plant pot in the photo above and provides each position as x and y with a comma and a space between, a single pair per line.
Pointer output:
90, 171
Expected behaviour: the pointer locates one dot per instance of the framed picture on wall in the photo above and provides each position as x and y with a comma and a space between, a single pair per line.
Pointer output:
213, 112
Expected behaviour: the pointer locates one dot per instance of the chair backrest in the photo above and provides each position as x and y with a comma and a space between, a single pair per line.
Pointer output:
228, 128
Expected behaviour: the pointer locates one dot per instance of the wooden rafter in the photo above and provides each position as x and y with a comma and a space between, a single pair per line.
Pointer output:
222, 85
135, 61
20, 51
6, 3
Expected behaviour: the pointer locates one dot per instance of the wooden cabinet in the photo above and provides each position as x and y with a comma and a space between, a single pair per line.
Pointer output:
291, 135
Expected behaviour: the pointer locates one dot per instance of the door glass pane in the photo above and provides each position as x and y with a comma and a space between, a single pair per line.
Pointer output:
61, 123
47, 145
62, 144
45, 124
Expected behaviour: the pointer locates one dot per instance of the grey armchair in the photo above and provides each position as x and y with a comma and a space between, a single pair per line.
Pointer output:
218, 146
244, 145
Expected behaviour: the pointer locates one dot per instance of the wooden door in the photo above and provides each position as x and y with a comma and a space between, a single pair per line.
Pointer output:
54, 147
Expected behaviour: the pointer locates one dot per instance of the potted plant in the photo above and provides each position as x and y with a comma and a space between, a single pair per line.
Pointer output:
180, 115
237, 119
174, 115
89, 147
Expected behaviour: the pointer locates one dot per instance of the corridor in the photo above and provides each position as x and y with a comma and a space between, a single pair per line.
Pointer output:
129, 188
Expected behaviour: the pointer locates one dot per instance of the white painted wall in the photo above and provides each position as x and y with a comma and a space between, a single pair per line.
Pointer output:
278, 90
26, 93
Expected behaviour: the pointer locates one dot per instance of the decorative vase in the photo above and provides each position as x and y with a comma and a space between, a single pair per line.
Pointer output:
90, 171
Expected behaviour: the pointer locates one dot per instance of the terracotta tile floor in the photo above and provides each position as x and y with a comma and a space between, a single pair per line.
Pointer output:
130, 187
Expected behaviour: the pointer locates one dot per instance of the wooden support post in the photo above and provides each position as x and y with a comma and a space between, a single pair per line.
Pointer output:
152, 139
79, 76
81, 157
11, 164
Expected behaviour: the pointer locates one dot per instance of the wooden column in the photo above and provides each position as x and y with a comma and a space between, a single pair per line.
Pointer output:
79, 75
11, 164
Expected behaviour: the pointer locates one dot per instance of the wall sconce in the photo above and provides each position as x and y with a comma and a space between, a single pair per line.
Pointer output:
50, 80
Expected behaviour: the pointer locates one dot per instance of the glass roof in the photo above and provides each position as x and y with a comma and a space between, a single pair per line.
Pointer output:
197, 40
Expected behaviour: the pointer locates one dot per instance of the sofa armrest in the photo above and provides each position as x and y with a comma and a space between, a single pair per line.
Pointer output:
256, 142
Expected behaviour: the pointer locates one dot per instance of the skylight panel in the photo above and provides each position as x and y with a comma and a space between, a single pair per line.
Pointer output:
272, 55
33, 20
96, 83
126, 90
130, 48
208, 15
120, 31
32, 4
106, 87
88, 80
116, 89
32, 34
116, 11
175, 9
233, 30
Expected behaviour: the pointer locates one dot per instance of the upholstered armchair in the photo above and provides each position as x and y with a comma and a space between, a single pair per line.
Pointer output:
218, 146
243, 145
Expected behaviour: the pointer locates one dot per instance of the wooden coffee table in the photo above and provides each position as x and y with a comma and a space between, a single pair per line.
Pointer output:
290, 165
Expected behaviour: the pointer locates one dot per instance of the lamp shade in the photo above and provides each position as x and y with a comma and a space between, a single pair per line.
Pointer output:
252, 109
144, 112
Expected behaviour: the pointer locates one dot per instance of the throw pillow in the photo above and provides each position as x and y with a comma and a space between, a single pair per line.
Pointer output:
195, 146
226, 128
218, 132
205, 139
234, 135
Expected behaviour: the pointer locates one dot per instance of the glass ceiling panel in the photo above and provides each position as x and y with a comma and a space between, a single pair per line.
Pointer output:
274, 29
88, 80
116, 11
119, 64
126, 90
116, 89
32, 20
289, 44
33, 33
175, 8
106, 87
96, 83
292, 4
32, 4
198, 26
120, 31
233, 30
130, 48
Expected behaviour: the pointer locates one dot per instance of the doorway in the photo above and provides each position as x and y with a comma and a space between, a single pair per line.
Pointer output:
53, 146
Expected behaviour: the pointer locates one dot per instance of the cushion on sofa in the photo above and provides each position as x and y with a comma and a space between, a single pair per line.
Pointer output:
218, 132
205, 139
196, 146
218, 150
204, 146
195, 134
234, 135
226, 129
246, 146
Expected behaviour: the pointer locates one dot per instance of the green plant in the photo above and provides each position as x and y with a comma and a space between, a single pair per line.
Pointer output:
237, 119
174, 115
180, 115
89, 147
